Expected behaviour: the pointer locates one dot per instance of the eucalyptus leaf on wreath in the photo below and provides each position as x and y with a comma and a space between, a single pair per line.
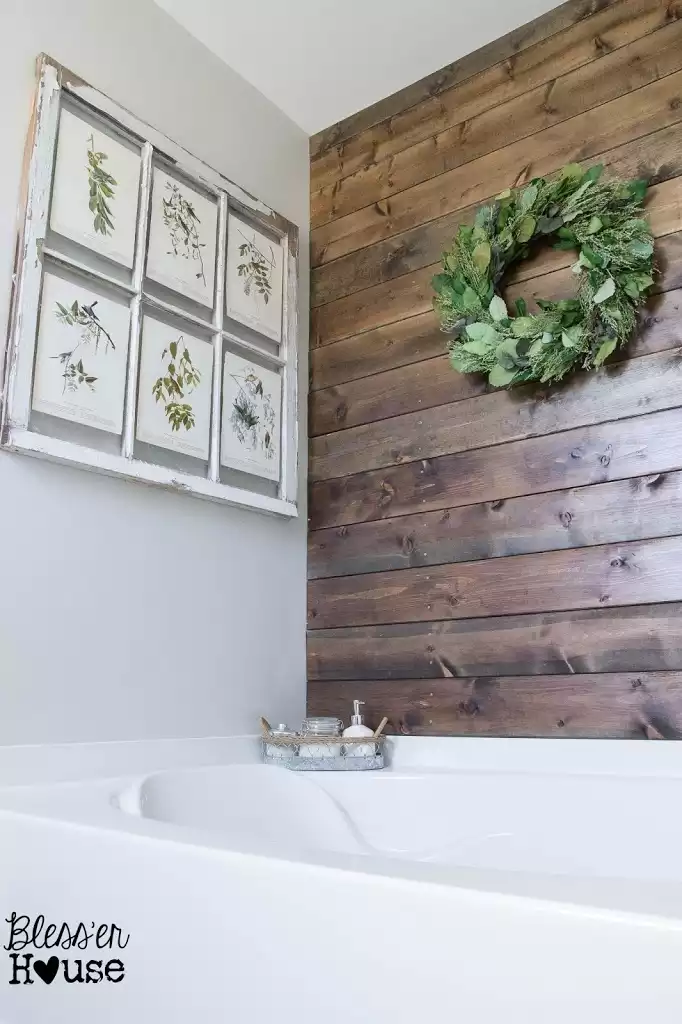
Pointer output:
604, 222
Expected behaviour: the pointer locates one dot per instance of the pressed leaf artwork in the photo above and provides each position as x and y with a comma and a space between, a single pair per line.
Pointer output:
251, 417
180, 379
174, 405
90, 332
82, 355
95, 191
182, 238
257, 268
182, 222
101, 190
254, 278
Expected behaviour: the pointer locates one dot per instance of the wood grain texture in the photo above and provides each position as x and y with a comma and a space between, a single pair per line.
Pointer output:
639, 446
634, 639
408, 341
433, 382
415, 386
386, 348
511, 46
623, 510
412, 294
647, 384
582, 137
534, 68
474, 132
488, 562
613, 575
624, 705
658, 158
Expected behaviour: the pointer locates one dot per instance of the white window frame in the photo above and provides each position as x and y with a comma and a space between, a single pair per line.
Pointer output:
15, 433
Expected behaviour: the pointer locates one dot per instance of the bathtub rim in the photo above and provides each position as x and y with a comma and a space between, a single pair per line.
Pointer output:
90, 807
36, 764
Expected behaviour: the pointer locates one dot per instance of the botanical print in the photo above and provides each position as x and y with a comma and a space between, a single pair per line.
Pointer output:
90, 331
257, 268
254, 278
180, 378
182, 238
82, 354
182, 222
95, 191
101, 190
174, 394
251, 417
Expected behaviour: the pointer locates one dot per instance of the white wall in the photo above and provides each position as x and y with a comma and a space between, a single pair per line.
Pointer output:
321, 60
107, 631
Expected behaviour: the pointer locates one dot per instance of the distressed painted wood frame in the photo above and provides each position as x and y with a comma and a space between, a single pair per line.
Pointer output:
16, 435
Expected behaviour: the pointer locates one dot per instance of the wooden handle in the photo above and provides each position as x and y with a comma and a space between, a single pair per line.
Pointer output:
265, 727
380, 728
650, 730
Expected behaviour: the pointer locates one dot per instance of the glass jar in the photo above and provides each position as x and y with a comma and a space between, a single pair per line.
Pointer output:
321, 727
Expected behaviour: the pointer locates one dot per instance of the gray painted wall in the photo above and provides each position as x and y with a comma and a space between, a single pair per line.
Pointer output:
104, 632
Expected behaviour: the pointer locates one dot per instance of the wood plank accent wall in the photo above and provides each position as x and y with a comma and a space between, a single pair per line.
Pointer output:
496, 562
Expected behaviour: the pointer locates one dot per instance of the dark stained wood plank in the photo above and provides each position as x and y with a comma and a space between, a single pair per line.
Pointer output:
639, 446
372, 307
474, 133
568, 512
656, 158
626, 705
412, 294
537, 67
432, 382
634, 639
399, 344
394, 345
416, 386
619, 390
624, 510
582, 137
613, 574
336, 454
384, 261
513, 45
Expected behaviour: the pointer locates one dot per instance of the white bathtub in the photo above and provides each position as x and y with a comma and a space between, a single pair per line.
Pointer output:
576, 827
480, 882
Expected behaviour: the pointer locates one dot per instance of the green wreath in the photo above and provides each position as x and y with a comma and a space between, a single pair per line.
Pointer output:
615, 268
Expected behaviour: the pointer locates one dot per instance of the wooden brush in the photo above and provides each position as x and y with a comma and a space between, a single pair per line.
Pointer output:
380, 728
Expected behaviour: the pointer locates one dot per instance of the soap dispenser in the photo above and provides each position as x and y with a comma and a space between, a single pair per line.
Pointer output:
356, 729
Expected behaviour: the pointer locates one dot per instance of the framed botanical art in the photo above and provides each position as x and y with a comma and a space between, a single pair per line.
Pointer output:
254, 278
96, 187
123, 339
174, 399
182, 238
252, 398
82, 354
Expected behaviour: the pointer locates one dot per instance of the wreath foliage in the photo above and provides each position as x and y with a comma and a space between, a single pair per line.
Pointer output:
604, 221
